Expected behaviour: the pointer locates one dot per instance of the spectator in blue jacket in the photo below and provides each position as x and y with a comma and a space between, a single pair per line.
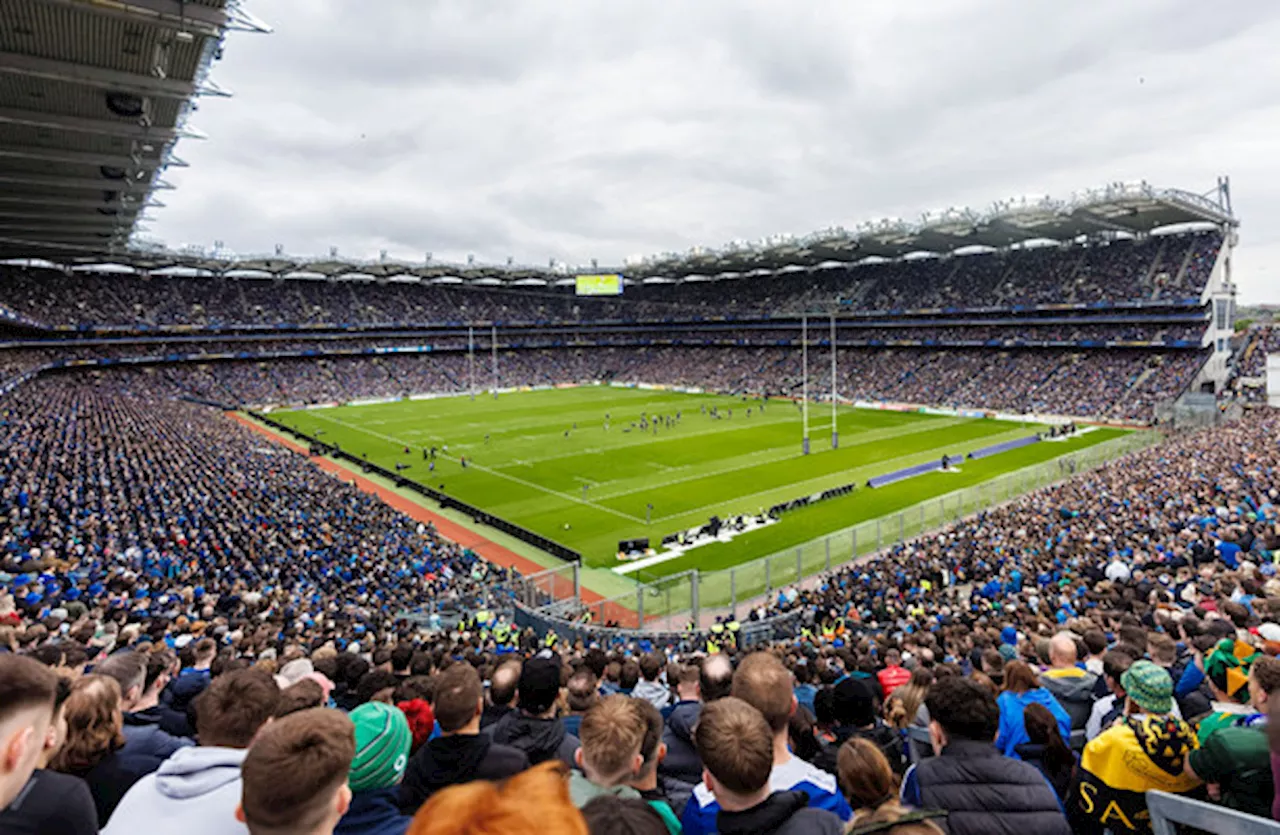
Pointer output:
1022, 688
179, 697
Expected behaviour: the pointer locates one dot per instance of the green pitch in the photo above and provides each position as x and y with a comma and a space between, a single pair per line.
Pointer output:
545, 460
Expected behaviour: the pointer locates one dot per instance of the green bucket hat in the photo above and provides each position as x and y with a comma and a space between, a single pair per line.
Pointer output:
1149, 686
382, 747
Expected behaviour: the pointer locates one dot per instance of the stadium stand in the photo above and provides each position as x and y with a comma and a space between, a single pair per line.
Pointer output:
201, 631
1173, 269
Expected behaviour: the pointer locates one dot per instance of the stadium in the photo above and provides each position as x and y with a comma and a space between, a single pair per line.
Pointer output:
1010, 445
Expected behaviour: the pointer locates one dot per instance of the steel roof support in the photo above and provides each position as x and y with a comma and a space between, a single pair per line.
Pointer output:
77, 124
80, 182
14, 63
78, 203
82, 158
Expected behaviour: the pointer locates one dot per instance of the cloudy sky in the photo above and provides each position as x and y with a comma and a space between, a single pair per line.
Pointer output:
581, 129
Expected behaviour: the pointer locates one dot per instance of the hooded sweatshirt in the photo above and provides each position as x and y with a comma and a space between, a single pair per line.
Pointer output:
539, 739
459, 758
1013, 728
781, 813
1073, 688
884, 737
582, 791
177, 699
682, 761
653, 692
194, 792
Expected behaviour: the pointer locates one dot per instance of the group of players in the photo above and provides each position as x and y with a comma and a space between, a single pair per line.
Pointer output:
645, 423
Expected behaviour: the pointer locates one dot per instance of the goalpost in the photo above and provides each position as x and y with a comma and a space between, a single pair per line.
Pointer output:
835, 434
804, 377
493, 340
471, 361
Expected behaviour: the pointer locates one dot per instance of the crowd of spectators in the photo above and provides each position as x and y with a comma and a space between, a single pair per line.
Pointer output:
200, 633
119, 497
1115, 385
1037, 668
26, 357
1166, 267
1259, 343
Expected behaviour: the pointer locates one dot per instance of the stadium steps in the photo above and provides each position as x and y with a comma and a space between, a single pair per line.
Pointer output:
1182, 269
449, 376
1140, 379
1148, 280
1082, 259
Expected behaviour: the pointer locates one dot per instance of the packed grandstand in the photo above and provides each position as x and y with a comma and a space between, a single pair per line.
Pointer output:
205, 631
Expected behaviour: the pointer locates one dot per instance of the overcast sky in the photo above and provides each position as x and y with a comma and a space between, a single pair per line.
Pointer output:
581, 129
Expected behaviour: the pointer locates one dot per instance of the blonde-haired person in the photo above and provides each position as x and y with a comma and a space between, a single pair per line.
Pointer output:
612, 735
905, 708
535, 800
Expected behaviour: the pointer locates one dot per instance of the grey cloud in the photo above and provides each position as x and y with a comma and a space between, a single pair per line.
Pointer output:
577, 129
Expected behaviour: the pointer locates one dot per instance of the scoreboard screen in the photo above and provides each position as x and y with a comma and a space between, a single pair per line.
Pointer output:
599, 285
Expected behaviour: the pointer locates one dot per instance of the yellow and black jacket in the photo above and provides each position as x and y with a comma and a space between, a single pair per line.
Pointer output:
1137, 755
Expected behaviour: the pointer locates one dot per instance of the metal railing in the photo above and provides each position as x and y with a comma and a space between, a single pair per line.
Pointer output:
1169, 809
551, 587
546, 621
701, 596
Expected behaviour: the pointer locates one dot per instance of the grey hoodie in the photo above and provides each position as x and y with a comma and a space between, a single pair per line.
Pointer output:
653, 692
194, 792
1073, 688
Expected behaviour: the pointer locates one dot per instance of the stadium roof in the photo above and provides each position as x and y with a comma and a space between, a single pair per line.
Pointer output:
93, 96
1123, 208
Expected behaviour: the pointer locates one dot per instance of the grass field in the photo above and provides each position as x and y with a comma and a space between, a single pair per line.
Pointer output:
522, 466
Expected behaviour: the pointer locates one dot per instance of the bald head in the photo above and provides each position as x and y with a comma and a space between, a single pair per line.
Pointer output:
715, 677
502, 686
1062, 650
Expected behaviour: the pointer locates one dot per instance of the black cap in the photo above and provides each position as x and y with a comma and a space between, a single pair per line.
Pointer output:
854, 703
539, 683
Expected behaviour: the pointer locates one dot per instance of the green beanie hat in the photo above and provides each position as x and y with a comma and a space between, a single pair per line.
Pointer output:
382, 746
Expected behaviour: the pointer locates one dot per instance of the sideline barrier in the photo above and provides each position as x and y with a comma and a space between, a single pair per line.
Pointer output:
1004, 447
903, 474
446, 501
